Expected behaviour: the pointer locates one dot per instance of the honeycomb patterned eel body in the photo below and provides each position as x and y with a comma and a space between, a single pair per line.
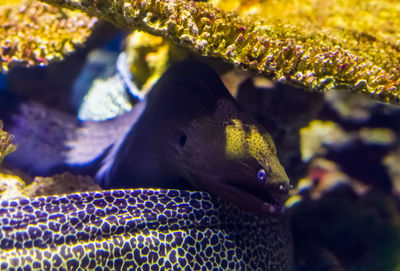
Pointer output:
138, 229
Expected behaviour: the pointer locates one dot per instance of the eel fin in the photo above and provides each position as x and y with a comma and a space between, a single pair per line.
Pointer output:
49, 141
39, 133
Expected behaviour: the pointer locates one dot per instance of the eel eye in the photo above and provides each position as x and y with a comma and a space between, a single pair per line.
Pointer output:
261, 175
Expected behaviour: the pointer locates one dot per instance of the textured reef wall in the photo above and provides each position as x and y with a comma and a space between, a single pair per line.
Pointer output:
34, 34
314, 45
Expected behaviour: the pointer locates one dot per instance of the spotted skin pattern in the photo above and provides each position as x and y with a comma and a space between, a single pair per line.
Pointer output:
138, 229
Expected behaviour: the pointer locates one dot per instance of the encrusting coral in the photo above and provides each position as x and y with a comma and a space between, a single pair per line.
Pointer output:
6, 145
315, 48
34, 33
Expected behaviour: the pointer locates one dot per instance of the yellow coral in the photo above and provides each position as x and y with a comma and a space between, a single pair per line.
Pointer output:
6, 145
314, 45
316, 134
33, 33
368, 31
148, 56
60, 184
11, 186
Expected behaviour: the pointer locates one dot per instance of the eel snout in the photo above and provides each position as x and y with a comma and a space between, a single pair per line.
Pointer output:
256, 197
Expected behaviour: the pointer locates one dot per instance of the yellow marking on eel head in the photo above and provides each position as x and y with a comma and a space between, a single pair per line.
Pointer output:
244, 141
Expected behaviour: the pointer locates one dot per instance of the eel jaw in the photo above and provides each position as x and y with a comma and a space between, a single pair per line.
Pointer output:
256, 197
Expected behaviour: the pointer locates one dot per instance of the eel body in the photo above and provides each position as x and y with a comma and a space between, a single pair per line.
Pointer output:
139, 229
189, 133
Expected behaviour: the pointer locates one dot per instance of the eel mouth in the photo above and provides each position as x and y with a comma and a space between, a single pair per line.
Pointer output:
259, 198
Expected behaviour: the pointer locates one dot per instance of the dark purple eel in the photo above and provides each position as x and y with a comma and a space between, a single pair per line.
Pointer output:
189, 133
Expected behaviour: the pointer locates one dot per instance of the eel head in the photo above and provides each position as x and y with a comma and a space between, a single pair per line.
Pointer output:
232, 156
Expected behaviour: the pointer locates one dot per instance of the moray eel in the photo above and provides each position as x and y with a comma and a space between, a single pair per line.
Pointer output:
139, 229
189, 133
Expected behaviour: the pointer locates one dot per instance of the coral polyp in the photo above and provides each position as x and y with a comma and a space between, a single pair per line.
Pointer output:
305, 50
35, 34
